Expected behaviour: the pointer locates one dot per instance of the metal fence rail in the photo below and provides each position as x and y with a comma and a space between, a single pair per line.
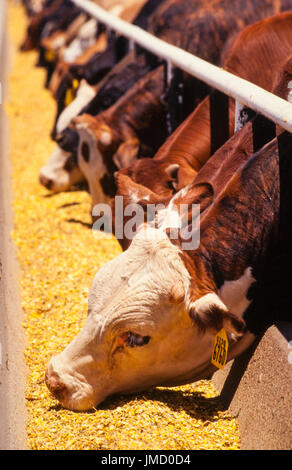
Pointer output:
245, 93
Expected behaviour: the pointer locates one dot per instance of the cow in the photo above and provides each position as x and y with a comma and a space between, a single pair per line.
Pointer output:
68, 141
32, 7
56, 15
60, 172
70, 44
200, 28
85, 45
154, 310
55, 174
98, 64
61, 67
113, 138
190, 146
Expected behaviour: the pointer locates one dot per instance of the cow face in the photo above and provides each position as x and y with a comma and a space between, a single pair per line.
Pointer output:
60, 172
138, 332
99, 155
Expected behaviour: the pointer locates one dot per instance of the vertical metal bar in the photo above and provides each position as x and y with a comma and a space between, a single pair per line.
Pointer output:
219, 119
242, 115
169, 73
131, 45
239, 116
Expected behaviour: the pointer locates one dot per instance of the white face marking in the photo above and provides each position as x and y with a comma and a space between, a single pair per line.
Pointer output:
94, 169
54, 170
86, 37
131, 293
84, 95
169, 217
233, 293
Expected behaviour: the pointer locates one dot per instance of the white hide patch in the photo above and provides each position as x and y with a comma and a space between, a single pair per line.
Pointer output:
203, 304
169, 217
86, 37
233, 293
94, 169
85, 94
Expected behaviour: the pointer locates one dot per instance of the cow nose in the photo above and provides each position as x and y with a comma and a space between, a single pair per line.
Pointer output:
55, 385
46, 182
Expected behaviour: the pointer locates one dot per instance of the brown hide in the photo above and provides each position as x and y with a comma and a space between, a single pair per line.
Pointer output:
62, 67
137, 115
190, 144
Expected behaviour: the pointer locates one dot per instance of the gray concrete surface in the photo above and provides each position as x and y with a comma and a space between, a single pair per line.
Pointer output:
12, 372
257, 388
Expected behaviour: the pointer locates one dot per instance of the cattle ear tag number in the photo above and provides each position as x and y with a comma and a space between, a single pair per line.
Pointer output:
220, 349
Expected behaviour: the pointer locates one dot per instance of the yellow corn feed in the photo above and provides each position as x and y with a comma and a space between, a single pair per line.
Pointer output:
58, 257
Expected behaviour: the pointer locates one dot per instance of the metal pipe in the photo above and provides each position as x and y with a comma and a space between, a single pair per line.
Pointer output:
250, 95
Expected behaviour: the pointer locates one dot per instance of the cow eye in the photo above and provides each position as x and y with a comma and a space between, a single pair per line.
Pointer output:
133, 339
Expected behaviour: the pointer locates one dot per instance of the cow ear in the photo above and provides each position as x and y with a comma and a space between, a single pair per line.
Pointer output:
126, 153
105, 137
209, 312
180, 176
172, 171
133, 192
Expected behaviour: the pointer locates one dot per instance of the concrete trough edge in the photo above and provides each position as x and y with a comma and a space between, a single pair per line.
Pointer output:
257, 389
12, 342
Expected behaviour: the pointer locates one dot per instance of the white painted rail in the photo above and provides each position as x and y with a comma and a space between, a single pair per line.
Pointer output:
246, 93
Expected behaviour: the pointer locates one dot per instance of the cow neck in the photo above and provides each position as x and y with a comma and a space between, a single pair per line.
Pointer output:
240, 228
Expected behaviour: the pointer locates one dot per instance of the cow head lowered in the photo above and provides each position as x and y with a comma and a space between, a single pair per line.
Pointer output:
134, 125
143, 334
61, 171
139, 330
154, 310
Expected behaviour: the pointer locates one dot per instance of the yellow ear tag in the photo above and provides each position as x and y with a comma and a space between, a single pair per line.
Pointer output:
220, 349
69, 97
75, 83
49, 56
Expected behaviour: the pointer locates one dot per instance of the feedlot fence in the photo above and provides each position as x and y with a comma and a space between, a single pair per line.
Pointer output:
247, 95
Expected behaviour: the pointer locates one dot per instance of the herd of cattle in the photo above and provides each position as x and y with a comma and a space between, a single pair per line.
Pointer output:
154, 310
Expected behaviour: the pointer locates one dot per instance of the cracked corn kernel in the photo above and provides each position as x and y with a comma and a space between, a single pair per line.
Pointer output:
59, 257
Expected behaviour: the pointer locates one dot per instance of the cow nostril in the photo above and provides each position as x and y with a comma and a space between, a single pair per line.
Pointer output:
46, 182
55, 385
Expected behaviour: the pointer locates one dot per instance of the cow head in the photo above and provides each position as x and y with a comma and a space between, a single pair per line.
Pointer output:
100, 154
31, 40
139, 330
60, 172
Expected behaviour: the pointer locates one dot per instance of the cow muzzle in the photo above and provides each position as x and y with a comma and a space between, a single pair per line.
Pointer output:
57, 388
69, 388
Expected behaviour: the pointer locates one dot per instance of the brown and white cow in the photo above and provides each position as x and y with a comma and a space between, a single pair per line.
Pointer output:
85, 44
260, 54
111, 140
59, 173
154, 311
198, 140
